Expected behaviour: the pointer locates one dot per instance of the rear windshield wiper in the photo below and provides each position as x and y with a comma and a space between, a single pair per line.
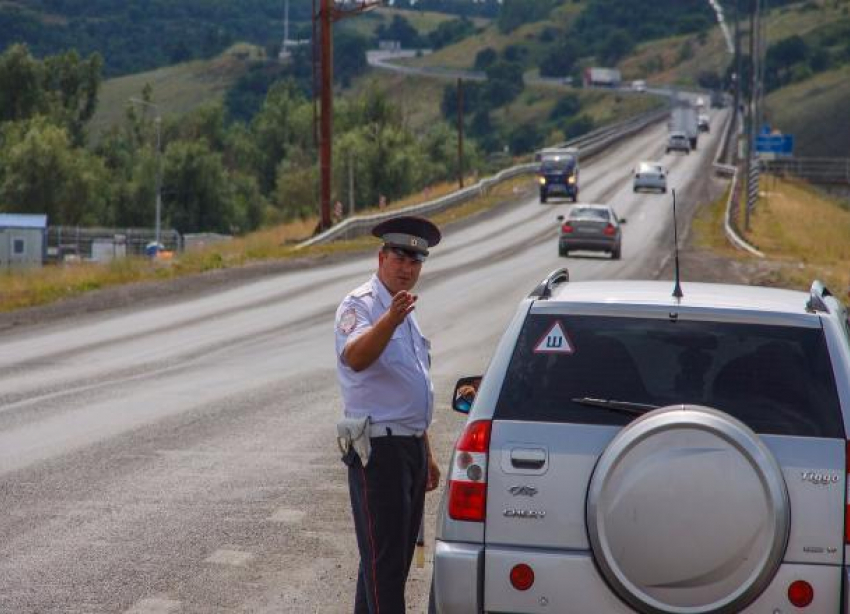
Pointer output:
626, 407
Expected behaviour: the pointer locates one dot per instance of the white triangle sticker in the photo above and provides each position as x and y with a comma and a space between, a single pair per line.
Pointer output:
554, 342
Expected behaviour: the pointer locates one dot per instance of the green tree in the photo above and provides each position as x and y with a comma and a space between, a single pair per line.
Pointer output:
205, 122
440, 145
615, 46
249, 205
449, 32
295, 194
42, 172
485, 58
400, 30
525, 138
559, 60
21, 78
274, 130
349, 56
196, 190
72, 88
515, 13
567, 106
504, 82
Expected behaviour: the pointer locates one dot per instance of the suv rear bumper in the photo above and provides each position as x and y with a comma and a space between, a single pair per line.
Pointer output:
458, 575
569, 582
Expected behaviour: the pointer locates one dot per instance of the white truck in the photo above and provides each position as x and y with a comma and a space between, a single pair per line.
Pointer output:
684, 118
602, 77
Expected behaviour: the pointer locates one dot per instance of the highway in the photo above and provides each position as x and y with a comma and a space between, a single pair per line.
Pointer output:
182, 457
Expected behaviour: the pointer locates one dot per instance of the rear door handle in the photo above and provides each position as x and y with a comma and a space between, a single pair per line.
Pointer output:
528, 458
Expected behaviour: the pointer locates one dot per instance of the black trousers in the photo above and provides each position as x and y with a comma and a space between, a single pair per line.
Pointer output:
387, 500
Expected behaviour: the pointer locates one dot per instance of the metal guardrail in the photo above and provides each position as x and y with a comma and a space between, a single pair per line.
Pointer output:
589, 145
731, 132
728, 228
815, 170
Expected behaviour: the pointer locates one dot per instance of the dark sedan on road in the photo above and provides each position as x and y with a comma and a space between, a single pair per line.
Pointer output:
591, 227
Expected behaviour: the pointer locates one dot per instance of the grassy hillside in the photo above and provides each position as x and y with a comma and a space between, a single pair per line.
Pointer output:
424, 21
822, 252
815, 110
419, 98
462, 54
669, 61
792, 258
176, 89
802, 109
677, 60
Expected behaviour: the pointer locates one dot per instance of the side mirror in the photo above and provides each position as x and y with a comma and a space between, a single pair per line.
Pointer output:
560, 218
464, 394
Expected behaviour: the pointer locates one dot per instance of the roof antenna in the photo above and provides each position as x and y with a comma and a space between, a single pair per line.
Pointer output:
677, 290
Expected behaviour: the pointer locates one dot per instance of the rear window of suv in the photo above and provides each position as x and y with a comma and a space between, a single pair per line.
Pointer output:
776, 379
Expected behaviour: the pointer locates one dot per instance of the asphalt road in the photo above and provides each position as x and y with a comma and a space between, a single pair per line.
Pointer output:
181, 458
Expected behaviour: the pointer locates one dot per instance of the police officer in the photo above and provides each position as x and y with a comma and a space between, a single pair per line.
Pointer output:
383, 364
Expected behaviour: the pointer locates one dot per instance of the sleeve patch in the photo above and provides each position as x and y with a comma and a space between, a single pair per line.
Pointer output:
347, 321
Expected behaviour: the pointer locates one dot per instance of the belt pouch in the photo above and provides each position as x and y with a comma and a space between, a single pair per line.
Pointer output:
354, 433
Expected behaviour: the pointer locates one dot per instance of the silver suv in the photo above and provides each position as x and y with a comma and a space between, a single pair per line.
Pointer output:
628, 451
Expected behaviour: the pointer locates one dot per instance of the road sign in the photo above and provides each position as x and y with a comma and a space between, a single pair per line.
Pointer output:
777, 144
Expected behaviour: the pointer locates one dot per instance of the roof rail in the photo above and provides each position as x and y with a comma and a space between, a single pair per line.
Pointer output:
817, 293
544, 289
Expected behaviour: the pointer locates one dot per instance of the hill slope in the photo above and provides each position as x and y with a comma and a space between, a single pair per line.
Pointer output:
815, 111
177, 89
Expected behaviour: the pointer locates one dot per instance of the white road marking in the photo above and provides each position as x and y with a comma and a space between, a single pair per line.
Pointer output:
155, 606
229, 557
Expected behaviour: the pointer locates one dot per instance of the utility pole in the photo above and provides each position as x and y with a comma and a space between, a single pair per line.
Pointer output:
460, 132
326, 116
329, 11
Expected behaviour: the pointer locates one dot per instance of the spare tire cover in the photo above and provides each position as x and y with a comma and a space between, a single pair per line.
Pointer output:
687, 512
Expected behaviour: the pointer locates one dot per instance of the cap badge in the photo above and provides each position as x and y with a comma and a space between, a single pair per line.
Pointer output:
413, 242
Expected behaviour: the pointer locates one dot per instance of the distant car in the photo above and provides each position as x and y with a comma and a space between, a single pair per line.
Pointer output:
650, 176
678, 141
593, 228
558, 173
639, 85
704, 123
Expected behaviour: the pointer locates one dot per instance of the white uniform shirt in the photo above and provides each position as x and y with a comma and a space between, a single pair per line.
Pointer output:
396, 388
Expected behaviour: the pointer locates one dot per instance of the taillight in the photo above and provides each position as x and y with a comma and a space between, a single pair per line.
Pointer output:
522, 577
468, 481
610, 230
801, 593
566, 228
